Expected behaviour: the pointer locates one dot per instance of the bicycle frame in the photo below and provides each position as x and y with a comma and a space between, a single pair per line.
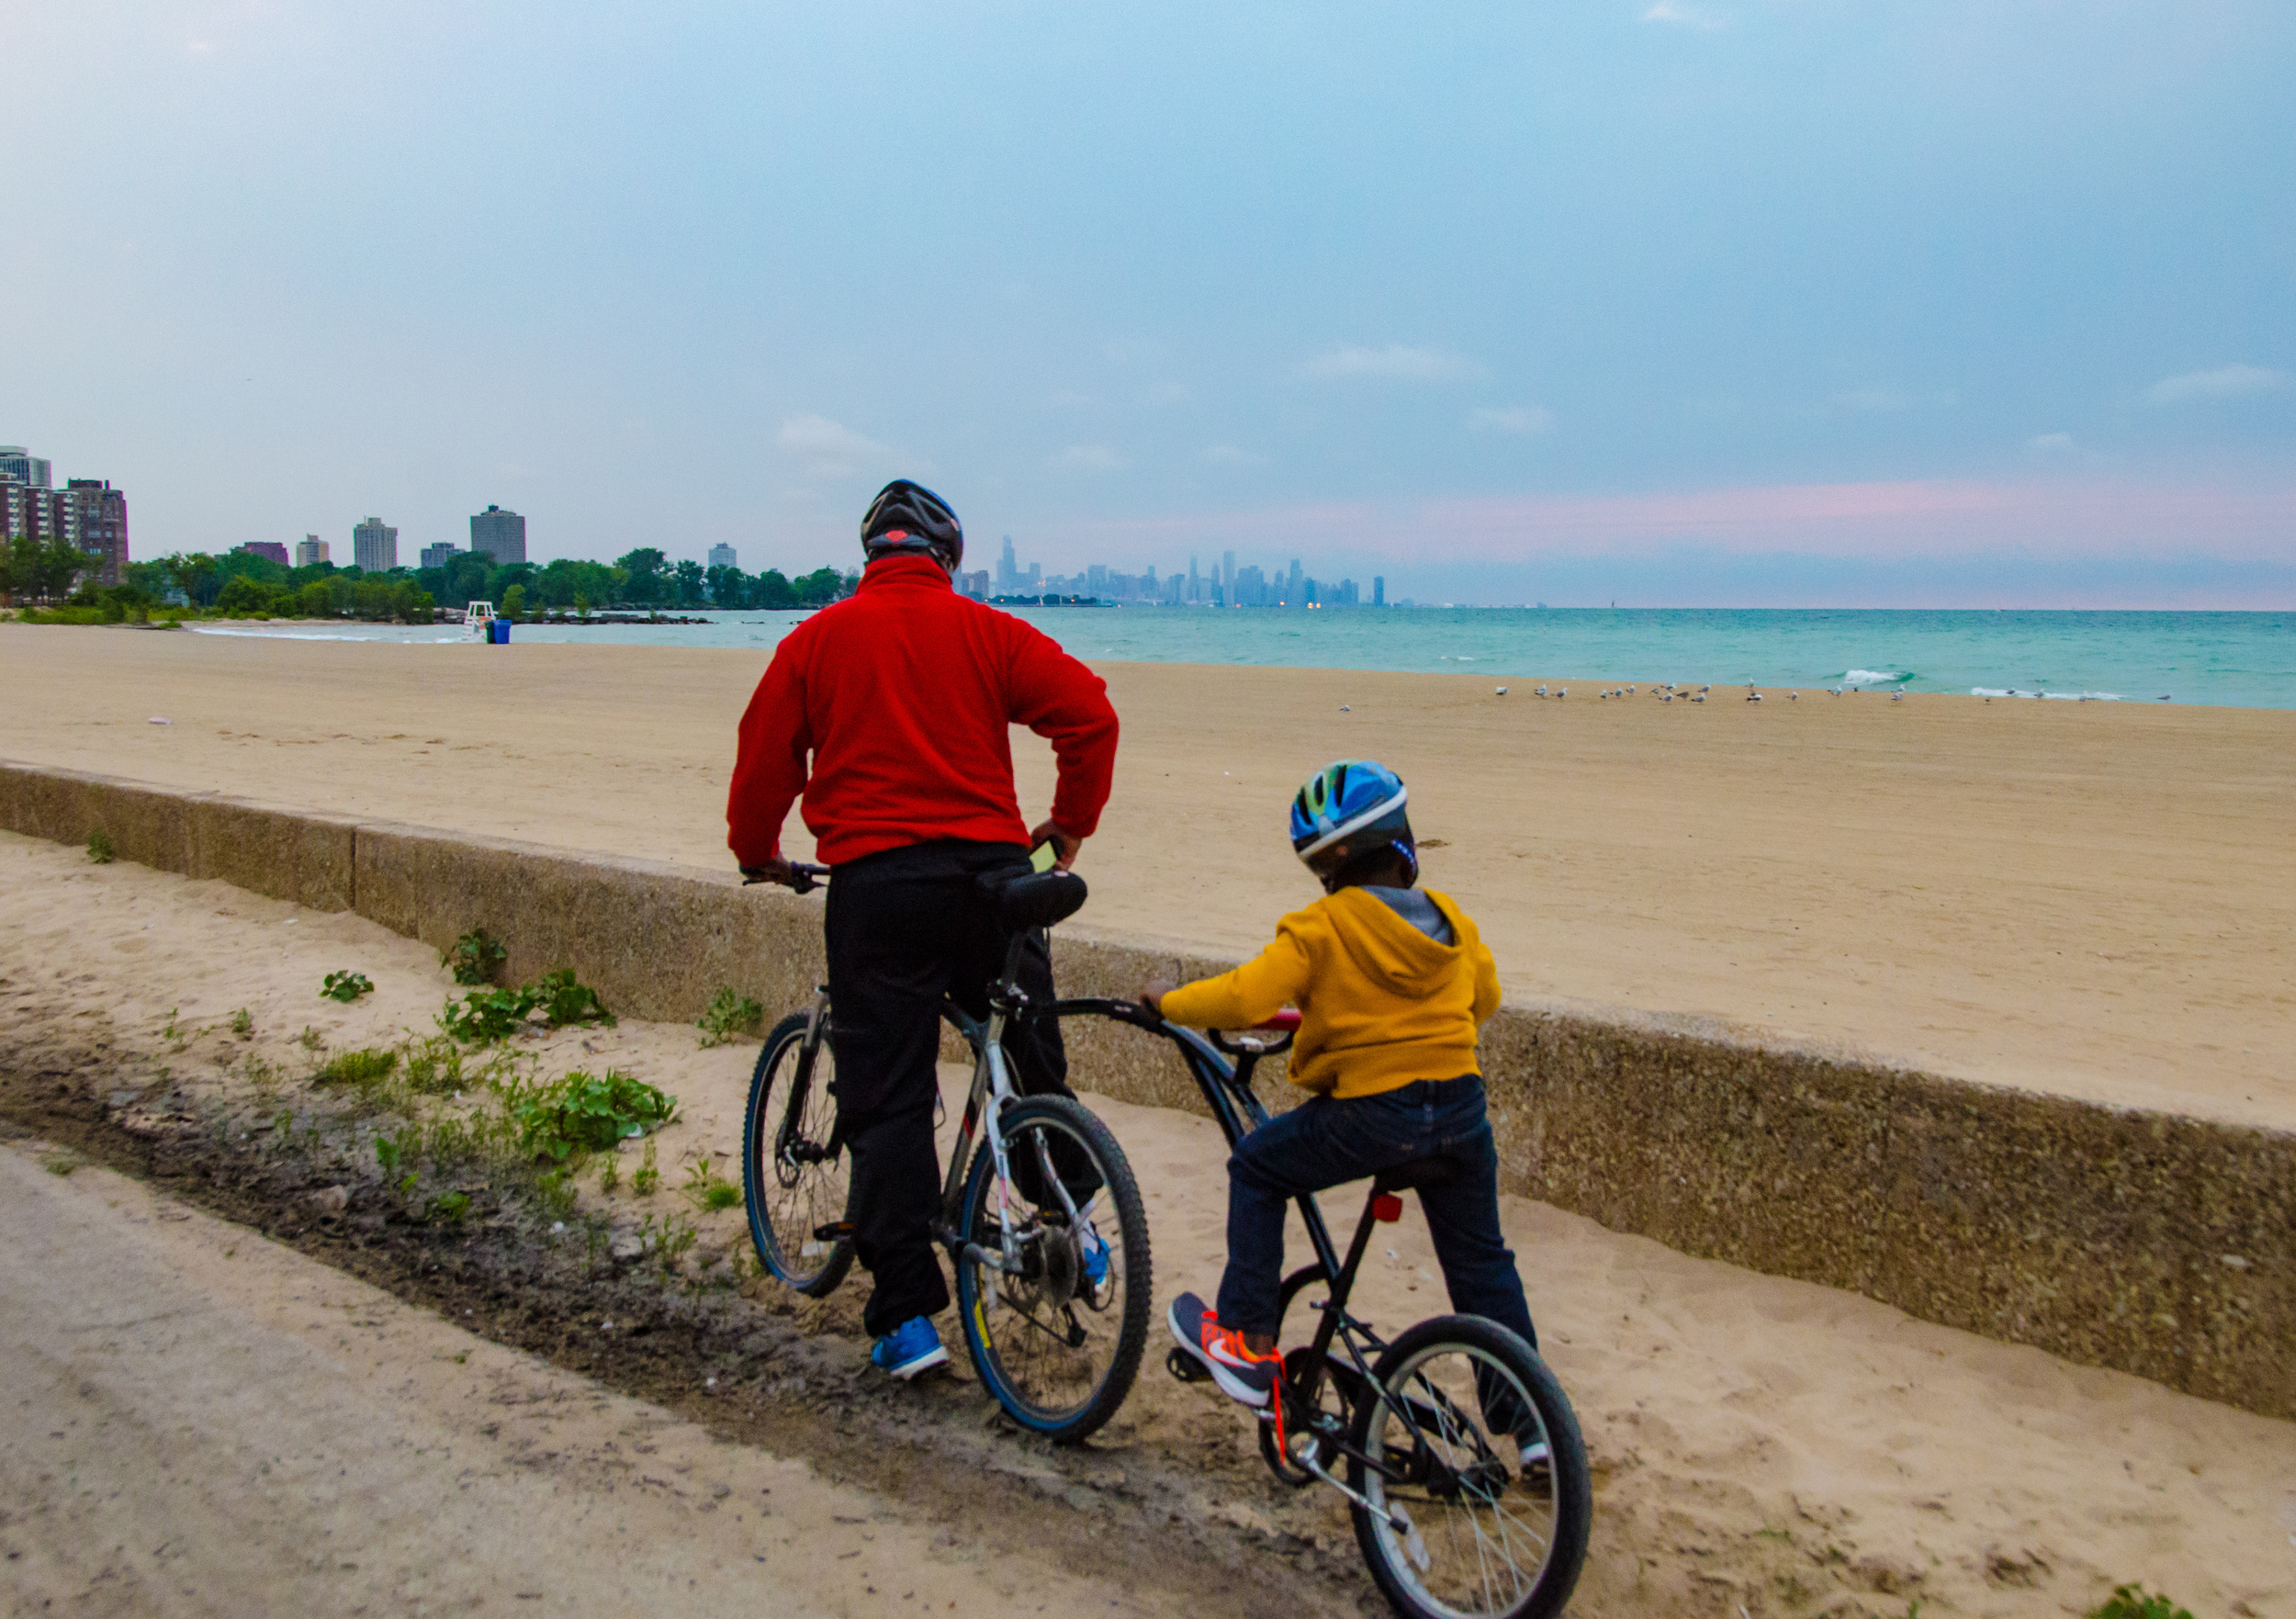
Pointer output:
1227, 1089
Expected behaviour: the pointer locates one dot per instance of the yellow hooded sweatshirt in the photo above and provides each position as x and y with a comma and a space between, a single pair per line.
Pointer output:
1381, 1004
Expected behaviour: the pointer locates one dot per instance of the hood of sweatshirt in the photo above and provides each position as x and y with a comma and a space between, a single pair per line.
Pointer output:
1391, 953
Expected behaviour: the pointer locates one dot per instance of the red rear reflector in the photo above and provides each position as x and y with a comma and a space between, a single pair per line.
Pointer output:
1387, 1207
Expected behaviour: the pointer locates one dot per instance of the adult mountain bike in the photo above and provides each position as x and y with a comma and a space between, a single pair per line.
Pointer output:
1455, 1447
1040, 1215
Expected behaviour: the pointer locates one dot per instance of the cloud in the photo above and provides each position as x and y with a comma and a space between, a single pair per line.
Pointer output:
1229, 455
1397, 362
1519, 420
830, 448
1086, 458
1685, 17
2050, 441
2226, 382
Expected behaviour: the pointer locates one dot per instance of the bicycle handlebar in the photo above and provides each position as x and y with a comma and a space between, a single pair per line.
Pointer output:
802, 879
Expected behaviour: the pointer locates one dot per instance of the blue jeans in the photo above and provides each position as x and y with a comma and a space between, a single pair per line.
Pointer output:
1438, 1127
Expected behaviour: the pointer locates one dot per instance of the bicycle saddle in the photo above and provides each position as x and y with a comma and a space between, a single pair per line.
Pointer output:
1037, 900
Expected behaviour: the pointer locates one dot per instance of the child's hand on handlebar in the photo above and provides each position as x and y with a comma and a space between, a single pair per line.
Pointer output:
1152, 994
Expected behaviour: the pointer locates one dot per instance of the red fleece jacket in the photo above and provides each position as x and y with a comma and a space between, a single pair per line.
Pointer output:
903, 693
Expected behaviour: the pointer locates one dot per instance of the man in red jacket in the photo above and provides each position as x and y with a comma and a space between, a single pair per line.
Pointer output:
903, 695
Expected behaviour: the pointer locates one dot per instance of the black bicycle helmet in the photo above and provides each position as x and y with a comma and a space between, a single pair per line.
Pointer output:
908, 517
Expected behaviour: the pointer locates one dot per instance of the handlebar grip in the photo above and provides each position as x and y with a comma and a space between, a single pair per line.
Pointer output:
1284, 1022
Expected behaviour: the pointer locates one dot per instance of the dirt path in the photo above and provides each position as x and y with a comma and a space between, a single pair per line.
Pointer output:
1765, 1449
200, 1420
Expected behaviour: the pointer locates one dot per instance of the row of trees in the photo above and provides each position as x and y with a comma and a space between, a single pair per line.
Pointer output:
240, 581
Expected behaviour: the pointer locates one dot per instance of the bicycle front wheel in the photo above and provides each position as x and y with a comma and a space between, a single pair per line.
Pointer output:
1470, 1456
792, 1180
1057, 1316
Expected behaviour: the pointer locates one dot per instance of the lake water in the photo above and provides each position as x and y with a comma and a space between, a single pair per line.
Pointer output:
2240, 659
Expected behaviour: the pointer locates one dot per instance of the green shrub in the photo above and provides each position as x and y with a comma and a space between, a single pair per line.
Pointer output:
564, 1001
707, 1191
587, 1113
647, 1175
488, 1015
364, 1068
474, 958
99, 847
2133, 1601
346, 988
729, 1014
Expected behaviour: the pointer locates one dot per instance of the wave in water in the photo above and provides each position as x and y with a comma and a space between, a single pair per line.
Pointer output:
2050, 696
1873, 677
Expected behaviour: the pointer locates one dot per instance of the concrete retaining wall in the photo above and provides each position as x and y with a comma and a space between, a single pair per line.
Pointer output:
2147, 1242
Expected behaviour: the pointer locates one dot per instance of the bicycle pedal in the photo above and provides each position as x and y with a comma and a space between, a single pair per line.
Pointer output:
1184, 1366
837, 1230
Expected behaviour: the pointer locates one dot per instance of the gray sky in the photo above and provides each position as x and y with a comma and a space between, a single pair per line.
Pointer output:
1758, 301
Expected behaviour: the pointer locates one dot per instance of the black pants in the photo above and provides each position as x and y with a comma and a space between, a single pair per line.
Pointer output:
907, 928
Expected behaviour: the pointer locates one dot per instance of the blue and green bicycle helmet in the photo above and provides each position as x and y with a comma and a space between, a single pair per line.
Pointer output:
1348, 810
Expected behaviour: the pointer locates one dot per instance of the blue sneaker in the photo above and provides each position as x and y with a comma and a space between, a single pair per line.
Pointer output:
910, 1348
1096, 1257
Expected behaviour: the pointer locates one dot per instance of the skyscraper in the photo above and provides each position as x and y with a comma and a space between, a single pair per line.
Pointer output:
270, 550
1378, 590
310, 551
500, 535
375, 546
26, 467
1007, 568
440, 555
723, 557
1227, 578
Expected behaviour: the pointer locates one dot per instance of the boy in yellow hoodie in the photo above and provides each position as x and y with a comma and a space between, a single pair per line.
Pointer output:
1392, 982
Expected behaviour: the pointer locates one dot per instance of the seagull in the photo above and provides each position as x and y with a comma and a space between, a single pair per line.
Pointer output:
1565, 692
1343, 709
1540, 693
1502, 690
1897, 696
1705, 688
1753, 696
1793, 697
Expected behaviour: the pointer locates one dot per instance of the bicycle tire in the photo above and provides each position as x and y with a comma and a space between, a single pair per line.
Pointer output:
1430, 1387
788, 1200
1050, 1388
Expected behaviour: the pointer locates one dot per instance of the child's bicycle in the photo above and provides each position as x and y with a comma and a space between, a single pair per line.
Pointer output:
1043, 1225
1457, 1450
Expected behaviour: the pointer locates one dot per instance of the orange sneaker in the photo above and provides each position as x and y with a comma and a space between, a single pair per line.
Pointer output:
1243, 1374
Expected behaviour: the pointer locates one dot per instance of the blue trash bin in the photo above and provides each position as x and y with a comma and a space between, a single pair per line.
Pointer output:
498, 632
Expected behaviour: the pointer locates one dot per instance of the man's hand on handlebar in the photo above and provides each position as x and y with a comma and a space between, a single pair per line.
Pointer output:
1152, 994
776, 870
1065, 848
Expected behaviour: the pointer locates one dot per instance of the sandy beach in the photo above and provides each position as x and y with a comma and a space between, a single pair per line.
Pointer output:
2093, 899
1763, 1446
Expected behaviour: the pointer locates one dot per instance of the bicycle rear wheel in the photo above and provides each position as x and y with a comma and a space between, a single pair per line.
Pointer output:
1057, 1350
1468, 1437
792, 1181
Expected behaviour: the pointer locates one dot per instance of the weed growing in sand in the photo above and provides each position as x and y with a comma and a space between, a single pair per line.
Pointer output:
729, 1014
62, 1160
395, 1151
588, 1113
474, 958
434, 1067
648, 1175
242, 1023
610, 1177
665, 1239
366, 1068
346, 988
259, 1074
556, 1190
174, 1033
450, 1208
2133, 1601
99, 847
708, 1191
565, 1000
485, 1016
311, 1039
